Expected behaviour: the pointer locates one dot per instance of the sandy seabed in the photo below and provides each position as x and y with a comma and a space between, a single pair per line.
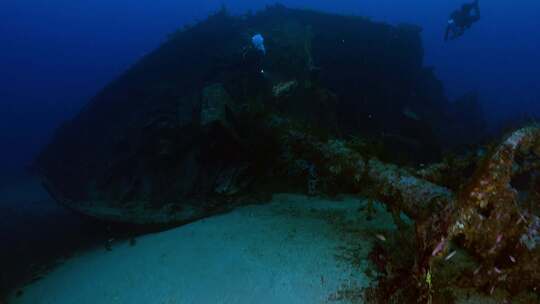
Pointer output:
295, 249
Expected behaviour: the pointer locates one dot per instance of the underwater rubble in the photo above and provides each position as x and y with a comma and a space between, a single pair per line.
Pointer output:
334, 105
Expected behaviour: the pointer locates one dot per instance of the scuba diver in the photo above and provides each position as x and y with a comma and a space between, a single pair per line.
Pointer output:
253, 55
461, 20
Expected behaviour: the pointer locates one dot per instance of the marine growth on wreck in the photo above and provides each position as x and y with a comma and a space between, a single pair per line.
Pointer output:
300, 101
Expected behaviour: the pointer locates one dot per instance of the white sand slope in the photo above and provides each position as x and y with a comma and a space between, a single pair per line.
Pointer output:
292, 250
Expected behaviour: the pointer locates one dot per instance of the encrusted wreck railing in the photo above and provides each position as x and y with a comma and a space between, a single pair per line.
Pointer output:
491, 221
485, 218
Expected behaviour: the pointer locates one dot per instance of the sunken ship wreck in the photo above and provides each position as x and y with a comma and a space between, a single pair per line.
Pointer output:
323, 105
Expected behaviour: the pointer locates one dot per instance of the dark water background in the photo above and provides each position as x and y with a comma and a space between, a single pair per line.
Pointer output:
56, 54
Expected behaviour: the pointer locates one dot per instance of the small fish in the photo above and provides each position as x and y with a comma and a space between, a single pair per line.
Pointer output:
477, 270
407, 112
451, 255
499, 238
512, 259
438, 248
497, 270
380, 237
521, 219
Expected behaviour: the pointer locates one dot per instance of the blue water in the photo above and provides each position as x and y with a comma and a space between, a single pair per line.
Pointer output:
54, 55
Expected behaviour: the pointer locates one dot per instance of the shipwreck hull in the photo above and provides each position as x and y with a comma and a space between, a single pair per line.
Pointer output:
187, 131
